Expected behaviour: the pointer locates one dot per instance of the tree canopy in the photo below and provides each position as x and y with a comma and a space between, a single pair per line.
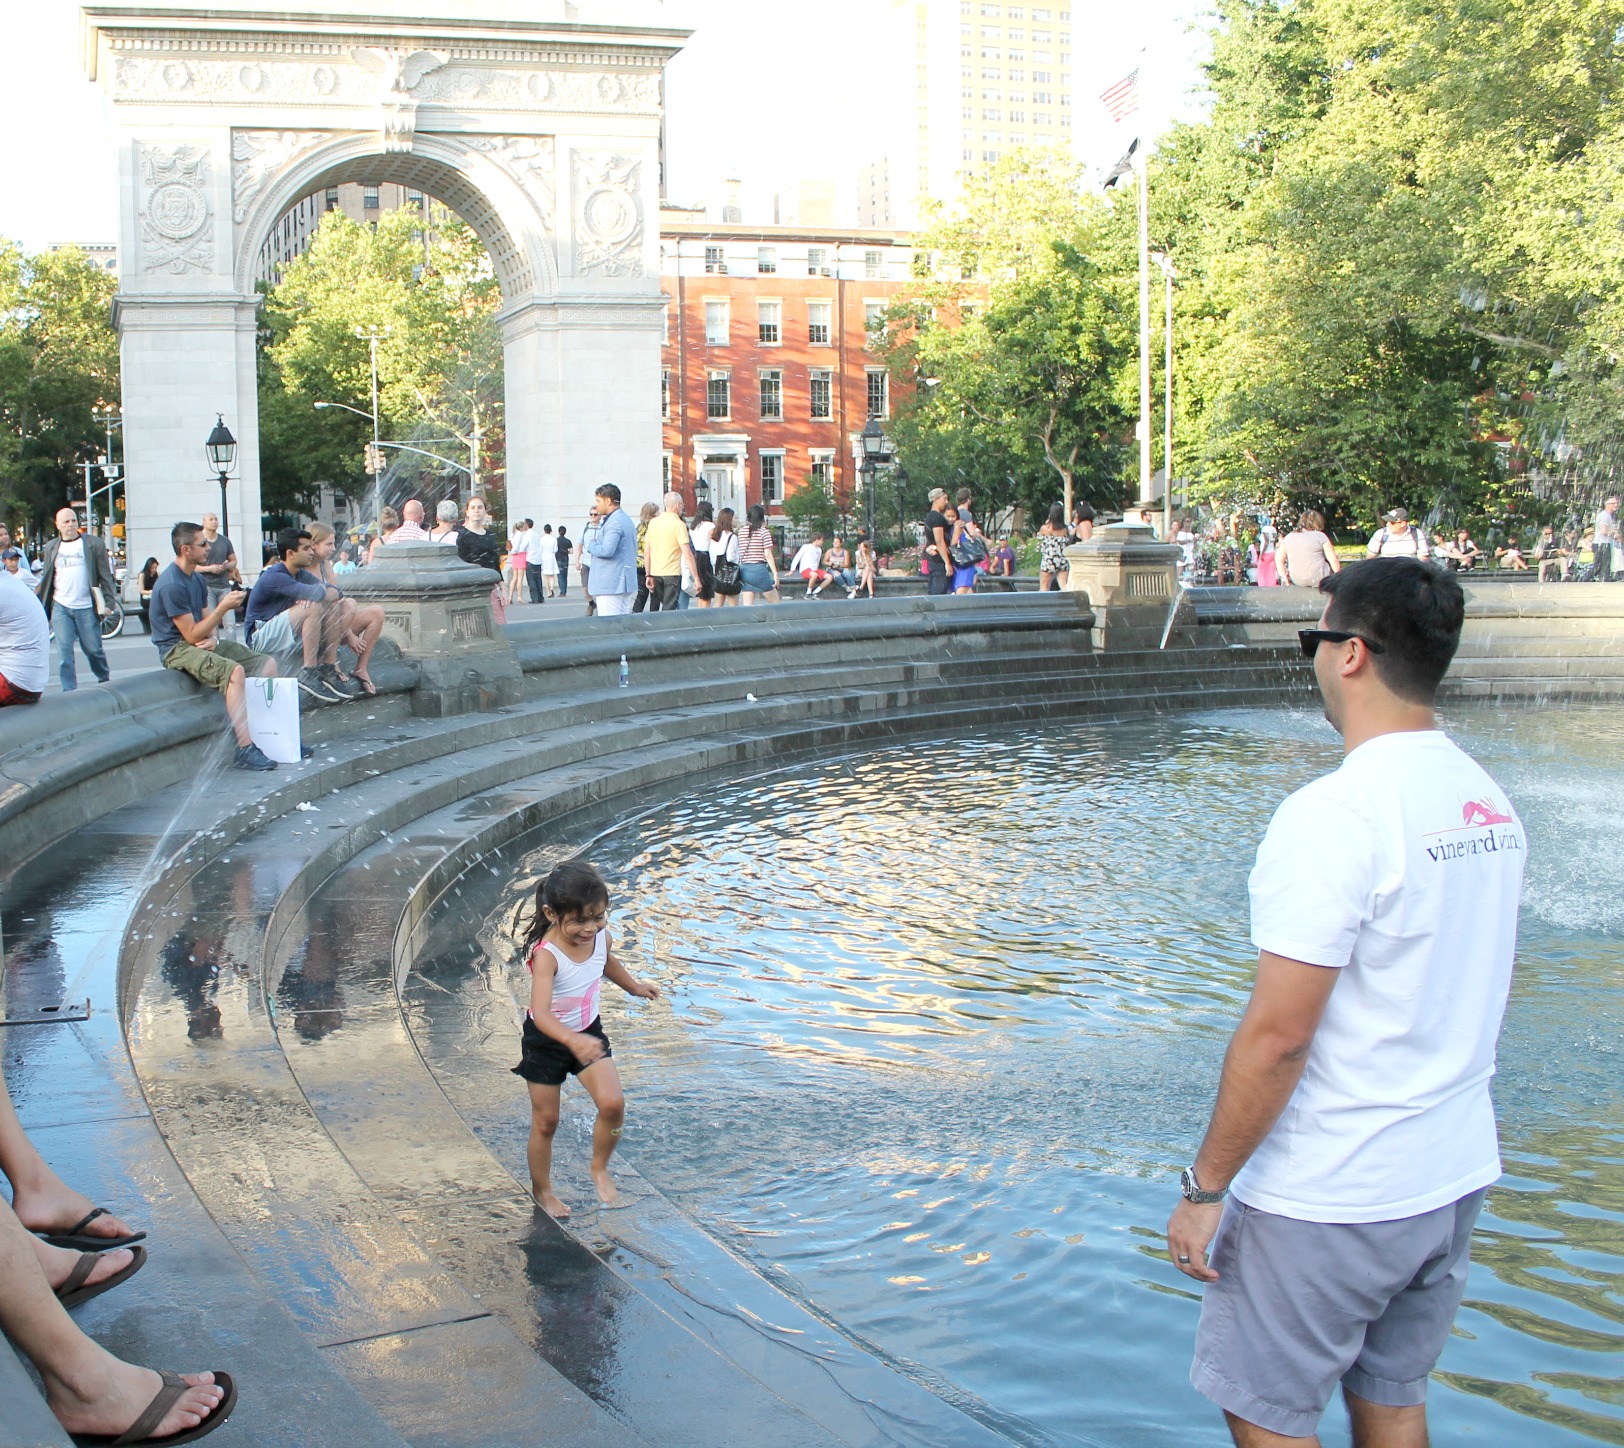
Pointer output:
1397, 234
58, 365
430, 289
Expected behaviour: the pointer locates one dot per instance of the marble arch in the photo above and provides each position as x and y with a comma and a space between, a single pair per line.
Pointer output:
539, 121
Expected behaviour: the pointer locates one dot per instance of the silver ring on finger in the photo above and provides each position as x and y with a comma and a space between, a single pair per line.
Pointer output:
1184, 1261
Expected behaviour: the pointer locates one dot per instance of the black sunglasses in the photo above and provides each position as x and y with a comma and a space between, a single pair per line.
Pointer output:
1312, 638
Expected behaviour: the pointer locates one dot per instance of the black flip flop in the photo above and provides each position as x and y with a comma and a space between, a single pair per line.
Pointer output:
75, 1291
75, 1239
136, 1435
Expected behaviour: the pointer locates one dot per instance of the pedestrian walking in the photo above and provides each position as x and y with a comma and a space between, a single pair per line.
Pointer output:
1329, 1210
549, 562
758, 568
76, 587
612, 547
561, 559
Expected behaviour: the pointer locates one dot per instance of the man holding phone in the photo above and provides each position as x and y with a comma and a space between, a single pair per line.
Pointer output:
185, 624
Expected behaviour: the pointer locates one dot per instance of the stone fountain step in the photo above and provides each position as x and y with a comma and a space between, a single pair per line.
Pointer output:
28, 1423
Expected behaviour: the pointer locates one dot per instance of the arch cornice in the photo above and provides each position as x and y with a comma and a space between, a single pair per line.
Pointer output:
505, 187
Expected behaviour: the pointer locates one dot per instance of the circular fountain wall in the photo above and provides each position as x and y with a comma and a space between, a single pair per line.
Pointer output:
942, 1020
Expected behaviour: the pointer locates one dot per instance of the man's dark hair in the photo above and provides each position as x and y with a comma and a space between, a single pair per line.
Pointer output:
288, 541
611, 492
964, 495
182, 534
529, 522
1413, 610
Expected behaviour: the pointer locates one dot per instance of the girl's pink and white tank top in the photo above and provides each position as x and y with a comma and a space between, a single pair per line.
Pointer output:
576, 984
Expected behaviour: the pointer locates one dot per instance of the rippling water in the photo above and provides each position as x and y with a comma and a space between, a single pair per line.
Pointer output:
943, 1020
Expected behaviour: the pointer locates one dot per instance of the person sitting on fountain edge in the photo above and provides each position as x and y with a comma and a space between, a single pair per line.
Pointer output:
292, 608
1354, 1135
185, 619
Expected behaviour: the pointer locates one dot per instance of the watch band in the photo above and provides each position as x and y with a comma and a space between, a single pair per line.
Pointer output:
1192, 1191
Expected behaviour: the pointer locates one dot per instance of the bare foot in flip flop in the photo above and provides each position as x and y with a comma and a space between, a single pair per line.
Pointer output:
66, 1218
92, 1270
549, 1203
116, 1403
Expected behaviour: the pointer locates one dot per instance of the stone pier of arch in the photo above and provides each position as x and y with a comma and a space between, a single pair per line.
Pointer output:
540, 123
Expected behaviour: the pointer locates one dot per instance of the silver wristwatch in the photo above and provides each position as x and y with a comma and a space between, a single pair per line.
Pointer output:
1191, 1189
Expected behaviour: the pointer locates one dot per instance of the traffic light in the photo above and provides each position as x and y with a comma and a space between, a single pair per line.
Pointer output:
374, 455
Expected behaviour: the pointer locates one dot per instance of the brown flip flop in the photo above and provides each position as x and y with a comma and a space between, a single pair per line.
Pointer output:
137, 1434
75, 1238
74, 1291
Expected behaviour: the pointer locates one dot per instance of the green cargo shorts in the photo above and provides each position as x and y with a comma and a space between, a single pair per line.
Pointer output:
214, 667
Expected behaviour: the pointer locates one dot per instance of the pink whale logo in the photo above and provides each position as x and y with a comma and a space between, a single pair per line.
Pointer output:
1482, 812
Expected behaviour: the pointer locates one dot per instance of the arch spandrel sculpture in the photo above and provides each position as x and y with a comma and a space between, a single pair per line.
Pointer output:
539, 121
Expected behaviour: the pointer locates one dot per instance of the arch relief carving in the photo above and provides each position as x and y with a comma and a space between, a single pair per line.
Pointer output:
532, 162
176, 216
609, 215
256, 157
405, 81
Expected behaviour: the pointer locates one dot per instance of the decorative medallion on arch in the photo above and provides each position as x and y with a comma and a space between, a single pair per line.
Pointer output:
609, 215
177, 217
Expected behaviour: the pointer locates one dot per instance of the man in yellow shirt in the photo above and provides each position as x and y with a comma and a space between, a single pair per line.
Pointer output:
667, 549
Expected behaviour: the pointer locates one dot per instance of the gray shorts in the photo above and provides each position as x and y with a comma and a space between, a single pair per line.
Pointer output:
1300, 1306
276, 636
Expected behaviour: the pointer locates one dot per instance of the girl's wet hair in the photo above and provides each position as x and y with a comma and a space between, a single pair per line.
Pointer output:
573, 888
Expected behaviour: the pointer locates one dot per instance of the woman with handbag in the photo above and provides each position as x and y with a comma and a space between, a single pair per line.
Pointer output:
700, 535
724, 561
965, 548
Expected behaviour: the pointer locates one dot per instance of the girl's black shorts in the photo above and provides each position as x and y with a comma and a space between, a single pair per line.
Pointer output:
548, 1063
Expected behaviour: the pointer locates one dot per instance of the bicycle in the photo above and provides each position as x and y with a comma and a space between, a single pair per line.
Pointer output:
112, 622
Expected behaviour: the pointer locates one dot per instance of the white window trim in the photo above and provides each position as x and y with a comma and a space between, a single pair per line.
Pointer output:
726, 303
782, 454
770, 302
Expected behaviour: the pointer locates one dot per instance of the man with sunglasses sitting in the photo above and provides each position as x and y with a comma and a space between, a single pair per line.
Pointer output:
1330, 1208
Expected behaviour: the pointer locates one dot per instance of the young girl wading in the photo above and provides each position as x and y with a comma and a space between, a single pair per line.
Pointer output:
569, 955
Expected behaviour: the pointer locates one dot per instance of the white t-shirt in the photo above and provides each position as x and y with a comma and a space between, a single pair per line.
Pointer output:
700, 536
72, 586
1403, 868
724, 545
808, 560
520, 542
25, 635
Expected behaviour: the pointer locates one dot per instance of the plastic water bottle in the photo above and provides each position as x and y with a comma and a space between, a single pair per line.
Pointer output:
625, 673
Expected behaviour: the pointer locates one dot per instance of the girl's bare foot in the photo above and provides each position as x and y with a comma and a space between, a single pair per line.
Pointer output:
122, 1395
58, 1264
607, 1194
548, 1200
55, 1207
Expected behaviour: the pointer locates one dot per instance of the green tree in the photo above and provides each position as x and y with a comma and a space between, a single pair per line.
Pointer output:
439, 366
58, 364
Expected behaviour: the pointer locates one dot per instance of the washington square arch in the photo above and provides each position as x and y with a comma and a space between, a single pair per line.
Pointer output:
540, 122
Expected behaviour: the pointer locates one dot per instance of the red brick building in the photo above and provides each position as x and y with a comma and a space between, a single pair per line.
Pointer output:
768, 379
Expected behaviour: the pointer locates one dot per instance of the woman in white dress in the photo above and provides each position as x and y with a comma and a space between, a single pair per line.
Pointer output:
549, 561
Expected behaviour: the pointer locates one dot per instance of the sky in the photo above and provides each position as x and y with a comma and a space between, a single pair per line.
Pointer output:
770, 91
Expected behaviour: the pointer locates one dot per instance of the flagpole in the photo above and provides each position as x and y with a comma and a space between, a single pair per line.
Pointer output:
1146, 487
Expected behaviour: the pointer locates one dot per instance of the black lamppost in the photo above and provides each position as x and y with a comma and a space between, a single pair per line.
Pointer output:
874, 452
899, 478
221, 451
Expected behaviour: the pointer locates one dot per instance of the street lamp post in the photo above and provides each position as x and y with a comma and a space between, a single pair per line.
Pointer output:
221, 451
372, 335
875, 449
1165, 262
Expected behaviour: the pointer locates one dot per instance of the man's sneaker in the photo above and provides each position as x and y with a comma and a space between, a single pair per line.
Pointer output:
306, 752
249, 756
312, 683
345, 688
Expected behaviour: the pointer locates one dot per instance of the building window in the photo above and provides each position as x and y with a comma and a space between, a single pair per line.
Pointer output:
820, 323
714, 265
873, 264
823, 472
772, 478
874, 317
879, 392
772, 396
665, 393
770, 323
716, 324
767, 260
719, 396
332, 198
414, 196
816, 260
823, 395
369, 198
665, 471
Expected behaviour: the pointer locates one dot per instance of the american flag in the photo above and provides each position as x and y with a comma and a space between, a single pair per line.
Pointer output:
1122, 100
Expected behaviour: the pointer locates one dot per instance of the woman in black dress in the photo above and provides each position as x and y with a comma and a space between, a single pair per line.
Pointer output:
478, 544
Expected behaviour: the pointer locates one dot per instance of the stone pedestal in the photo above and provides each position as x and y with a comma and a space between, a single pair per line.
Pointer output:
437, 610
1131, 581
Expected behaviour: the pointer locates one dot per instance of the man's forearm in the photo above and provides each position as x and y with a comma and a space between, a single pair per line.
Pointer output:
1260, 1073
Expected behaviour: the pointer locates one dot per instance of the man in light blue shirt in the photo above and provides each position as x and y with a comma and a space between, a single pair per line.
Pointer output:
612, 548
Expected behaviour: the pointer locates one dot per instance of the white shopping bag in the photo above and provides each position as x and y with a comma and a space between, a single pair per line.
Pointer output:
273, 718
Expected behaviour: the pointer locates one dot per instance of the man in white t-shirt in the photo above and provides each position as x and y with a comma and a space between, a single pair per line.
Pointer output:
1398, 538
1609, 541
808, 562
25, 642
1353, 1139
75, 570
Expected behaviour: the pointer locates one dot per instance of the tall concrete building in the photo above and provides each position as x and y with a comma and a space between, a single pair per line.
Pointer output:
974, 81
